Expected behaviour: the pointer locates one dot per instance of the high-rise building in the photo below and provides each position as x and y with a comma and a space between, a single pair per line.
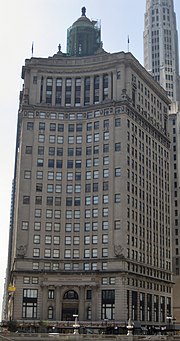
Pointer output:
161, 59
90, 229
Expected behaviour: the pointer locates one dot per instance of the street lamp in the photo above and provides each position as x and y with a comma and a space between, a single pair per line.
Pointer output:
76, 325
130, 327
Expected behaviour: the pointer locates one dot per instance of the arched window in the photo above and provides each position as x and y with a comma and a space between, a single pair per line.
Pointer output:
50, 313
70, 295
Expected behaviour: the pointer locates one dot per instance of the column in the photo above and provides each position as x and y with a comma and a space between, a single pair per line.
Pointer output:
43, 310
114, 85
94, 304
54, 91
60, 303
38, 89
44, 90
57, 306
110, 87
81, 314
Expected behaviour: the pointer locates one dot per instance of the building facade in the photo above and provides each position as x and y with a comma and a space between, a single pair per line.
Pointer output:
161, 56
91, 220
161, 59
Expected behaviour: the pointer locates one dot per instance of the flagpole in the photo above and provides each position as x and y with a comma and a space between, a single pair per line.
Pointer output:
32, 49
128, 43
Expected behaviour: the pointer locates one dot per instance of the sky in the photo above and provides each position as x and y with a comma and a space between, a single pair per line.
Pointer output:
45, 23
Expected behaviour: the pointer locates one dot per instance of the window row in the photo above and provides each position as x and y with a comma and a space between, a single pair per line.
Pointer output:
55, 240
48, 266
68, 253
69, 226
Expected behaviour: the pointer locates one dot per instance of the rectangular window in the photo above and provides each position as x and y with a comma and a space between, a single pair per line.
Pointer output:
68, 92
67, 254
30, 297
57, 227
117, 171
28, 149
39, 175
51, 138
60, 139
35, 280
76, 253
47, 253
117, 198
58, 175
36, 252
117, 147
87, 91
48, 240
37, 225
51, 294
106, 135
105, 148
105, 212
36, 239
25, 225
48, 226
105, 238
41, 138
58, 90
40, 162
59, 163
37, 213
108, 304
105, 87
57, 214
105, 173
117, 122
49, 83
94, 253
78, 139
50, 176
117, 225
40, 150
87, 253
105, 225
68, 214
96, 89
95, 226
77, 91
49, 213
55, 253
30, 125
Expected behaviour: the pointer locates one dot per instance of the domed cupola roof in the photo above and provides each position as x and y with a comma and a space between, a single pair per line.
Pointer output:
83, 20
83, 37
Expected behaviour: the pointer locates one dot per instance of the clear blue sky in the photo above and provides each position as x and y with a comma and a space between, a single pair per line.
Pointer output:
45, 22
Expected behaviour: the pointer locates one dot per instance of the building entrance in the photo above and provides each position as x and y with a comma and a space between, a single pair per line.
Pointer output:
70, 305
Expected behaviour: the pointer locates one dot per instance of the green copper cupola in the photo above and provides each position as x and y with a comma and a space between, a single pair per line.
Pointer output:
83, 37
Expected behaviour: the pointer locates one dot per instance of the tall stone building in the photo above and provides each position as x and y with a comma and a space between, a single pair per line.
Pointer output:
161, 59
161, 56
90, 224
